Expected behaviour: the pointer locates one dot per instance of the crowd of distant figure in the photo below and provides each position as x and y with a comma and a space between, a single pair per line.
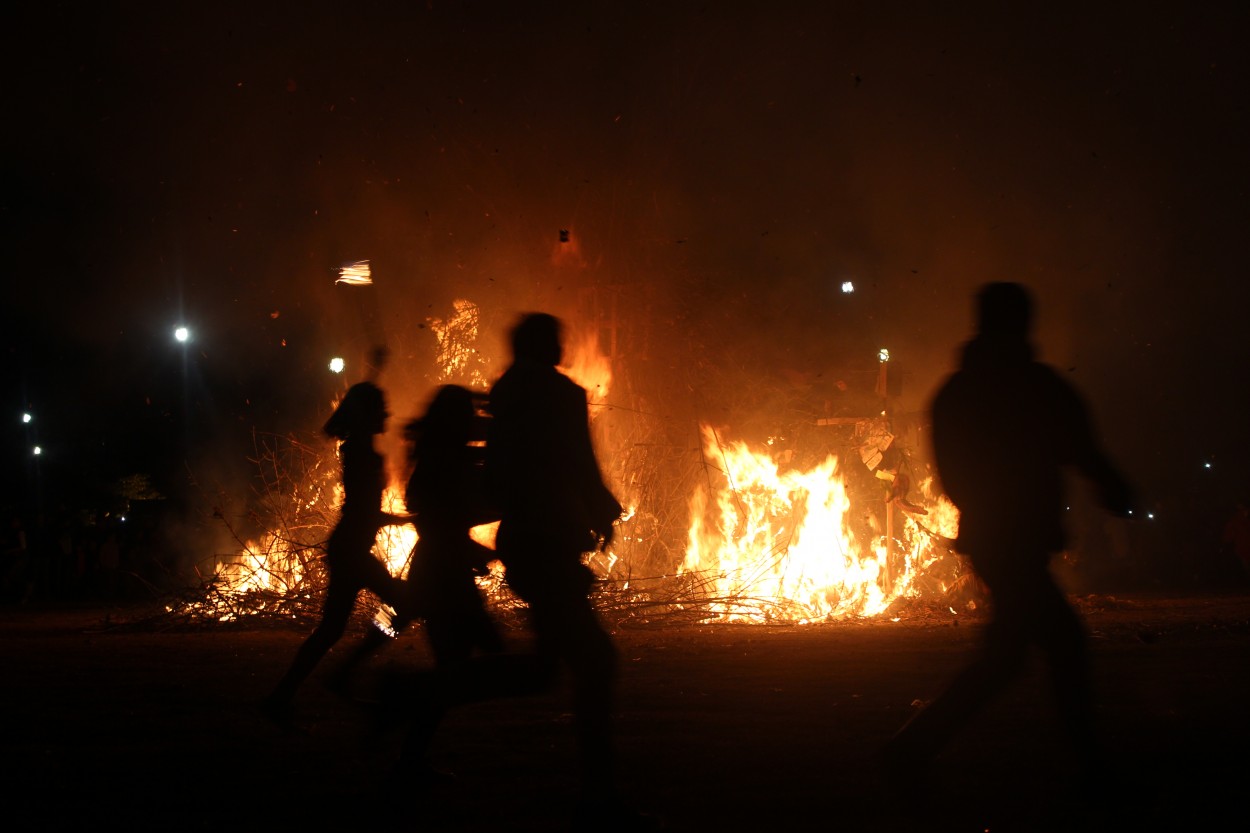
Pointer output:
69, 558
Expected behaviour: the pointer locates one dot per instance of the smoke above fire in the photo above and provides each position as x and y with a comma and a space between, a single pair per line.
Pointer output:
690, 185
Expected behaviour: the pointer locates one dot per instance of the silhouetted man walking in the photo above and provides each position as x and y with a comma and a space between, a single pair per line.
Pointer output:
1004, 428
554, 507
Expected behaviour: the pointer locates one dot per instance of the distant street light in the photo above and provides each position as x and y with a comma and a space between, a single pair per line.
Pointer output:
38, 451
337, 365
182, 334
883, 355
26, 418
847, 287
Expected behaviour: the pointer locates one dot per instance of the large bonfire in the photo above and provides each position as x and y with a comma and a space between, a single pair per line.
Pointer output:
761, 534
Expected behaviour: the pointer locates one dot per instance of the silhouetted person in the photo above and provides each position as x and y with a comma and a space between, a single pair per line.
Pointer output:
554, 507
360, 416
445, 495
1236, 534
1004, 428
445, 499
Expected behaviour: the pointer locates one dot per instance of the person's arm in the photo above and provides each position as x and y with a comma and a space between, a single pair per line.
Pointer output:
1090, 459
605, 509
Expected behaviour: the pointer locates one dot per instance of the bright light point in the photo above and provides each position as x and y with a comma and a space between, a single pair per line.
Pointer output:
1150, 515
1206, 465
337, 365
182, 334
38, 451
27, 418
883, 355
847, 287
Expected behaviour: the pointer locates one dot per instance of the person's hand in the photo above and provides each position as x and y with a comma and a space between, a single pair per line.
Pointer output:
605, 538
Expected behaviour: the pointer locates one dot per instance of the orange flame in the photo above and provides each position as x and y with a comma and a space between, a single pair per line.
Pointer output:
586, 365
778, 539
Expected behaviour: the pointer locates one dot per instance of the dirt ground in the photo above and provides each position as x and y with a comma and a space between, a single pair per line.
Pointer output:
722, 728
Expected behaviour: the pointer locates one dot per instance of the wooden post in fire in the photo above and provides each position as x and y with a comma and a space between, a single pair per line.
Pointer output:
883, 382
889, 541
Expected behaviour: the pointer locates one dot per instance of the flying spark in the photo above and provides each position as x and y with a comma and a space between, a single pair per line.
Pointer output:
355, 274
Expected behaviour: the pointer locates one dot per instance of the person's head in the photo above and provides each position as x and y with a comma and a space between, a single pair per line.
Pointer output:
448, 419
362, 411
1005, 311
536, 337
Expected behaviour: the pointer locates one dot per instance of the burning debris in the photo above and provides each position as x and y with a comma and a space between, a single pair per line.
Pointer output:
458, 358
825, 527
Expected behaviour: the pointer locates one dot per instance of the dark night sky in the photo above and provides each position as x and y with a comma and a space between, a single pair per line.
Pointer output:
738, 160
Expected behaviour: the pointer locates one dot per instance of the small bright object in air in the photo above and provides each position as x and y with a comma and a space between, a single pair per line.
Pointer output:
38, 451
1206, 465
337, 365
182, 334
355, 274
26, 417
847, 287
883, 355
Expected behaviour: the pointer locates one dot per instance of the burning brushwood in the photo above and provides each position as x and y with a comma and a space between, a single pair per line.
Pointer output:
789, 530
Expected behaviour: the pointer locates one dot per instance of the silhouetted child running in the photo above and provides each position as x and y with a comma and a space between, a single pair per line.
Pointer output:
444, 498
352, 566
444, 495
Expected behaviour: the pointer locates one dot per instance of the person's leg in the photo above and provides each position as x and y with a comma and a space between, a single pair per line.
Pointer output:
1062, 637
339, 603
1002, 656
458, 678
567, 631
395, 593
374, 640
